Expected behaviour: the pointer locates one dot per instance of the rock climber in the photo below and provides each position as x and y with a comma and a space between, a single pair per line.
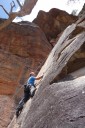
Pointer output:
29, 91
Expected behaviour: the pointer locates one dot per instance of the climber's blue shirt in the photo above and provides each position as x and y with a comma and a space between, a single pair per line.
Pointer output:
31, 80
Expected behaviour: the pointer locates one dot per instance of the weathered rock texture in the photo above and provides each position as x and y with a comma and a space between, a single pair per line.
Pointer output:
54, 22
59, 105
7, 107
23, 48
60, 56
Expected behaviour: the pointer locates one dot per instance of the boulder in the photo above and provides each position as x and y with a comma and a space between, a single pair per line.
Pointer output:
59, 105
54, 22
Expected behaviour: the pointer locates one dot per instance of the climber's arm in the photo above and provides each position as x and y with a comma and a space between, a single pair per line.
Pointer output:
38, 78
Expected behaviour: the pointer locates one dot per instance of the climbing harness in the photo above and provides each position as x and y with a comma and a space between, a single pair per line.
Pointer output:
20, 87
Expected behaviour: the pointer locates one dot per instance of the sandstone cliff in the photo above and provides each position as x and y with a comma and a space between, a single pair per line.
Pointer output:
23, 48
54, 22
59, 104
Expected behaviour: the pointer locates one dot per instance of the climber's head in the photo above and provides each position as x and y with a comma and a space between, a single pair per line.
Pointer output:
32, 73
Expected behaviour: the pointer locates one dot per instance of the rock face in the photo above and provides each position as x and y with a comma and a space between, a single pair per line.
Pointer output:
59, 104
7, 107
59, 55
23, 47
54, 22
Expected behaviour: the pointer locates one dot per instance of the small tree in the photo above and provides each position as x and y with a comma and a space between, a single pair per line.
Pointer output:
72, 1
25, 9
74, 12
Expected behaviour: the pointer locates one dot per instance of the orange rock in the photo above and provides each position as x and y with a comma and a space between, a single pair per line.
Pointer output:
23, 47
